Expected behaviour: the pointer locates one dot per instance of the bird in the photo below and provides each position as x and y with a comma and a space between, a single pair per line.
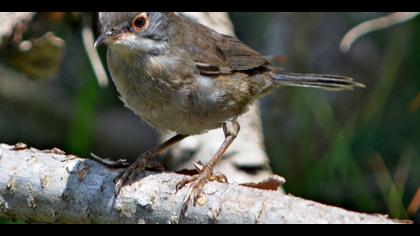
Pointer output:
180, 76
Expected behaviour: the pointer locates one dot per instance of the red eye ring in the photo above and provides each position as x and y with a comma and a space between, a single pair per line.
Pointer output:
140, 22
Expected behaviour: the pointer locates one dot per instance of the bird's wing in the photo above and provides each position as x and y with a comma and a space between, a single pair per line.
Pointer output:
224, 54
240, 56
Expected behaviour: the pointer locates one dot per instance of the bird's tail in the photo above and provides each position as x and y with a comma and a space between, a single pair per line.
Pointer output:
327, 82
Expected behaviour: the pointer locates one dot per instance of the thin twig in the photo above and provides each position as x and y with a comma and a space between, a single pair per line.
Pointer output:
88, 39
374, 25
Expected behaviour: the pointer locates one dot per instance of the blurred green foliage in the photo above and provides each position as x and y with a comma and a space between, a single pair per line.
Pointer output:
367, 161
80, 136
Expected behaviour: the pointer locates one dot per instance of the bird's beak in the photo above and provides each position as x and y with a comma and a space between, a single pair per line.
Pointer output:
101, 40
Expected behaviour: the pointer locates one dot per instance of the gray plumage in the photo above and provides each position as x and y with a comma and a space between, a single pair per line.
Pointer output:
184, 77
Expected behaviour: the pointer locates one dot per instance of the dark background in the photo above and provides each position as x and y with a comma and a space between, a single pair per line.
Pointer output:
359, 150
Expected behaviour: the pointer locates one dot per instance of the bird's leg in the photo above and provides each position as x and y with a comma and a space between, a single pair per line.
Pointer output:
231, 130
130, 173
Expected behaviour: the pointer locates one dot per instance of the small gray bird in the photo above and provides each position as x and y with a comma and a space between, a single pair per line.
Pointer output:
183, 77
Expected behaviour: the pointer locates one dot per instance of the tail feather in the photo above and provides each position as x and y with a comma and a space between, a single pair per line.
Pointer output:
327, 82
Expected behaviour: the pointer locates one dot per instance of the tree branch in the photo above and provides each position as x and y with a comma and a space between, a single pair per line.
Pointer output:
52, 187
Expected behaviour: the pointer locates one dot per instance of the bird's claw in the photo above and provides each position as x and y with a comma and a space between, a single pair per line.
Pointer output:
194, 192
198, 182
131, 173
127, 176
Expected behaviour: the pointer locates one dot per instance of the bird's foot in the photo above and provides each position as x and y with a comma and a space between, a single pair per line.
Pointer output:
132, 172
128, 175
198, 182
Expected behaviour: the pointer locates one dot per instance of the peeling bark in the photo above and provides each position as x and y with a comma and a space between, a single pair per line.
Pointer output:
52, 187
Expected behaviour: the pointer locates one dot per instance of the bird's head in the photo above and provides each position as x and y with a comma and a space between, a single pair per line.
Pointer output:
140, 32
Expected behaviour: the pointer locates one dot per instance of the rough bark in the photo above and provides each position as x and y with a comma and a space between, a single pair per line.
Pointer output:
52, 187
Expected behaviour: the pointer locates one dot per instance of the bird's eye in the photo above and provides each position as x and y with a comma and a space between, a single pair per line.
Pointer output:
139, 22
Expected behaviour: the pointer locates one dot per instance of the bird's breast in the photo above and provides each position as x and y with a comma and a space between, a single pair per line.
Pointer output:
167, 98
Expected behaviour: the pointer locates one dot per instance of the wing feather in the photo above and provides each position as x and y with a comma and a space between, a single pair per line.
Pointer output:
216, 53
